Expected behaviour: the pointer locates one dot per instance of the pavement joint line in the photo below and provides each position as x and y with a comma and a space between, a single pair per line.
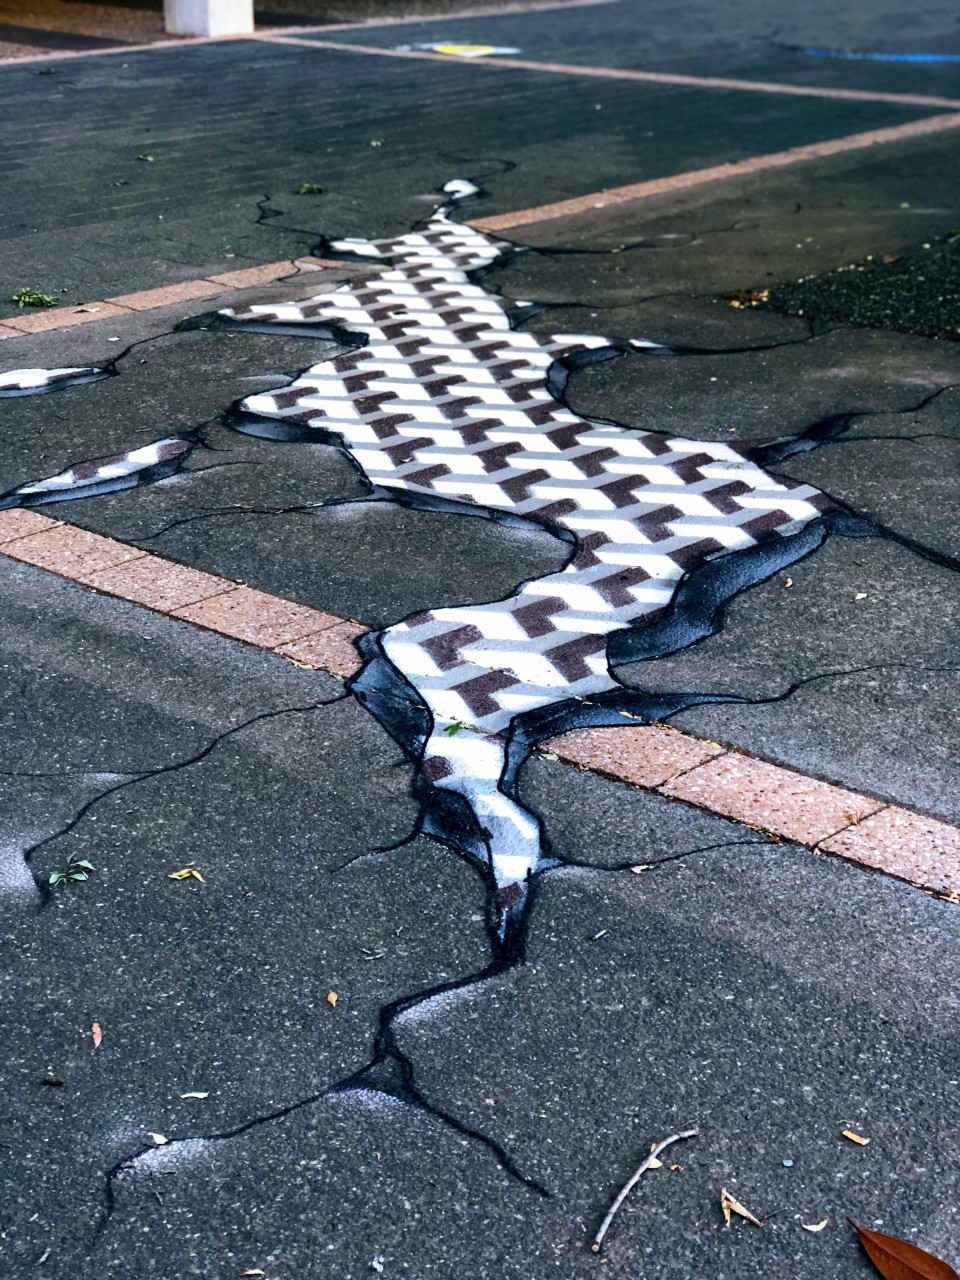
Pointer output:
186, 42
285, 36
251, 277
792, 805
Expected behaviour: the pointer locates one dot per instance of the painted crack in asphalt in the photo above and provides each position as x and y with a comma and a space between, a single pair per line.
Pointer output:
130, 780
442, 404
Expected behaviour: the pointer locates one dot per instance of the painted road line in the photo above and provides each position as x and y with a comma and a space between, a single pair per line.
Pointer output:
925, 127
790, 804
126, 304
185, 42
284, 36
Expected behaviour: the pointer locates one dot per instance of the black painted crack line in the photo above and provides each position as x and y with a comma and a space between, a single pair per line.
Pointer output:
577, 864
43, 886
832, 429
389, 1072
215, 513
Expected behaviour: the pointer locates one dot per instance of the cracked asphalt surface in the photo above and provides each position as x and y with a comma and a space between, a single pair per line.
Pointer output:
741, 984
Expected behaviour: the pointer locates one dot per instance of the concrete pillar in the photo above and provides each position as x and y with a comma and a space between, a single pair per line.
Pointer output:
208, 17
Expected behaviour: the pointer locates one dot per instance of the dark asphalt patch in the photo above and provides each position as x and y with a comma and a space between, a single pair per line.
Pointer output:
915, 292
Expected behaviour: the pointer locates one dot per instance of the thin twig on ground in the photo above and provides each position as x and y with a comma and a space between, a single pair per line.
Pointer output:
628, 1187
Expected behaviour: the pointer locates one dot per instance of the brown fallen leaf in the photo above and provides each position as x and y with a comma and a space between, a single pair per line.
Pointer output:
897, 1260
748, 297
815, 1226
96, 1034
332, 999
855, 1137
729, 1206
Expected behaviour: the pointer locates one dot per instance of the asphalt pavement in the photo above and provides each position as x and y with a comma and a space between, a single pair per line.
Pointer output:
305, 1059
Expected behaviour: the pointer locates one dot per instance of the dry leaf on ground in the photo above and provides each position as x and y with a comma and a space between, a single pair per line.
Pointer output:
897, 1260
185, 873
729, 1205
332, 999
96, 1034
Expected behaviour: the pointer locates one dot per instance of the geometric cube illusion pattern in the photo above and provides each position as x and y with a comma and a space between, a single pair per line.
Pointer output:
445, 400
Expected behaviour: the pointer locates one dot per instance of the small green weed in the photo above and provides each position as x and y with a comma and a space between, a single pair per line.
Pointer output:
33, 298
309, 189
456, 727
73, 869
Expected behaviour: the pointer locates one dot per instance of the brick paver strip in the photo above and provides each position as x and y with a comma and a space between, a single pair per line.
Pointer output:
831, 819
915, 848
61, 318
126, 304
718, 173
73, 553
646, 755
149, 299
765, 795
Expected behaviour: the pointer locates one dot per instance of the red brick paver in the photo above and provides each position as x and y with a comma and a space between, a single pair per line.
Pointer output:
20, 523
63, 317
71, 552
256, 617
765, 795
909, 845
328, 650
646, 756
148, 299
159, 584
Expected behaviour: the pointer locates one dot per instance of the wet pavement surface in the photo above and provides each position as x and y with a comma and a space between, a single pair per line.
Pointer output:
225, 1123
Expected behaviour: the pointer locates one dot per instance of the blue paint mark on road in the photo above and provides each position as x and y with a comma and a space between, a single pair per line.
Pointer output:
882, 57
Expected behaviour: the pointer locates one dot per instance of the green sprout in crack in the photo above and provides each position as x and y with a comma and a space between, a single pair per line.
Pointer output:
72, 870
457, 725
33, 298
309, 189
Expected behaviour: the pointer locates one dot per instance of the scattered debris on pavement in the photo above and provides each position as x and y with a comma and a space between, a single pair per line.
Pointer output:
651, 1162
